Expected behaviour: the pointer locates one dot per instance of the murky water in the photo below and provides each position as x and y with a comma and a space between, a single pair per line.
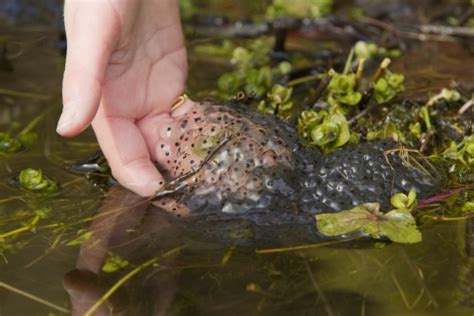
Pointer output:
183, 267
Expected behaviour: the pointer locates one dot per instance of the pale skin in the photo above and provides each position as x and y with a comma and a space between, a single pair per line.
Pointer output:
125, 67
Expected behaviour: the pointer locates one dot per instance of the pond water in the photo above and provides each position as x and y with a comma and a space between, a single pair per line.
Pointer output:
50, 264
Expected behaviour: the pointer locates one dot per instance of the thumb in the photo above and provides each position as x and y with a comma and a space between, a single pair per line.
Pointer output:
92, 30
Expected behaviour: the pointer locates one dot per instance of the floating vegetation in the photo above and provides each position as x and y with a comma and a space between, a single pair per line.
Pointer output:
398, 224
8, 144
35, 181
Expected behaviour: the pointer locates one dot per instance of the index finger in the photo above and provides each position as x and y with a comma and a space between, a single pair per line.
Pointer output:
127, 153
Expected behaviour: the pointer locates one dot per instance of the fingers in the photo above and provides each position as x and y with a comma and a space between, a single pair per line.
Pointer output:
127, 154
92, 29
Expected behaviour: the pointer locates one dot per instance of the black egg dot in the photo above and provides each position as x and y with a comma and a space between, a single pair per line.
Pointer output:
168, 129
162, 145
167, 153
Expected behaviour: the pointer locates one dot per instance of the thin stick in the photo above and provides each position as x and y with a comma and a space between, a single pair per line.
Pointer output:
465, 107
316, 286
127, 277
301, 247
34, 298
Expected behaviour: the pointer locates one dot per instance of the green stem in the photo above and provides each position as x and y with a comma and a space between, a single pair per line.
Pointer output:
348, 64
29, 95
426, 117
32, 124
125, 278
305, 79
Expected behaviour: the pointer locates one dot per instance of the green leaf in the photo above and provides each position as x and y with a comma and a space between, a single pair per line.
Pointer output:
34, 180
114, 263
402, 201
397, 225
8, 144
365, 50
350, 98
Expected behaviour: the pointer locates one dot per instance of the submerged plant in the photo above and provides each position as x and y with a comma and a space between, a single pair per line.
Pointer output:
114, 263
35, 181
398, 224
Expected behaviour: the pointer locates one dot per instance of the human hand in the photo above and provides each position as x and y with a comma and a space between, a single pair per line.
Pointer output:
125, 65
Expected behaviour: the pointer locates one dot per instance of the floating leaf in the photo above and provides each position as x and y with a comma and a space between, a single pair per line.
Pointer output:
34, 180
8, 144
397, 225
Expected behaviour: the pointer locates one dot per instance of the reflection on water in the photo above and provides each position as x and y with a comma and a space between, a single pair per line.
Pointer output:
184, 267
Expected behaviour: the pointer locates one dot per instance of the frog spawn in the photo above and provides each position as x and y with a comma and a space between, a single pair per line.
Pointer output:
233, 157
252, 166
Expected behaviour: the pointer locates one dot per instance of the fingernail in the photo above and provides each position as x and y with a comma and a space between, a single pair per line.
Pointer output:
68, 117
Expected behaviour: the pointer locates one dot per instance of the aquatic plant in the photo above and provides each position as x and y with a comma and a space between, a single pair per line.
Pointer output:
388, 86
35, 181
398, 224
278, 101
462, 151
253, 73
448, 95
342, 90
299, 8
326, 130
367, 50
8, 144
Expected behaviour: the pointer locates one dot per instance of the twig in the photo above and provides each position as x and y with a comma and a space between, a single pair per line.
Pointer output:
34, 298
465, 107
321, 88
301, 247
